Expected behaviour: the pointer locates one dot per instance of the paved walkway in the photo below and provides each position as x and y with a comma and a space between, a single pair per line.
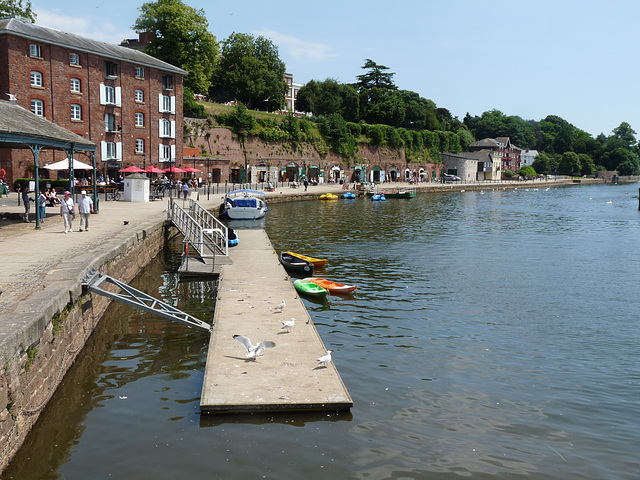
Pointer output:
28, 255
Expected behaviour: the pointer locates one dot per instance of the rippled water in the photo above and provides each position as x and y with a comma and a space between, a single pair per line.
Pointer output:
493, 335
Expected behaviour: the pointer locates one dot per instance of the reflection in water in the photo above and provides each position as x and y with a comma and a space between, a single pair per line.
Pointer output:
491, 336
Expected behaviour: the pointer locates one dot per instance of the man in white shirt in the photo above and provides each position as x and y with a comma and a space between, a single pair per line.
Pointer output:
85, 207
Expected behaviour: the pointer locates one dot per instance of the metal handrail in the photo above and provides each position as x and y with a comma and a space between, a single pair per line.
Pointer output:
216, 231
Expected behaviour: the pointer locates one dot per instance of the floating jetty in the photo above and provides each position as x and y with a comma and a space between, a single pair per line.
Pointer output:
285, 378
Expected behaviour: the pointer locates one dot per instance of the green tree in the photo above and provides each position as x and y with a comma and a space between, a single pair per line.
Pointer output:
527, 172
544, 163
250, 71
376, 77
587, 167
621, 160
190, 107
569, 163
181, 38
18, 8
625, 134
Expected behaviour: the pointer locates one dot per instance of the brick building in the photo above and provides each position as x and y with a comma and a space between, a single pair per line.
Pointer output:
509, 154
126, 102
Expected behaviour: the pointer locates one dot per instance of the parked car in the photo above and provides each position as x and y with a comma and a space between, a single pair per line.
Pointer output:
451, 178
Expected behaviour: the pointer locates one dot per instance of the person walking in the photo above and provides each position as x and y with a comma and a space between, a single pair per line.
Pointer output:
27, 205
67, 212
42, 204
185, 189
85, 209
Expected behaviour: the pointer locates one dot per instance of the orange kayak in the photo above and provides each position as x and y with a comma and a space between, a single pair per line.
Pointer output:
317, 262
333, 287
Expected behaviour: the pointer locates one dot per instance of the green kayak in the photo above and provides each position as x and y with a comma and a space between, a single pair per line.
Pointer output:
306, 287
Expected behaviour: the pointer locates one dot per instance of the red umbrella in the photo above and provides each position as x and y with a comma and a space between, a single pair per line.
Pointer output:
132, 169
153, 169
173, 170
191, 170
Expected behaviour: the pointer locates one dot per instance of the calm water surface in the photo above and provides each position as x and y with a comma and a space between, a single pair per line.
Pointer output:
493, 335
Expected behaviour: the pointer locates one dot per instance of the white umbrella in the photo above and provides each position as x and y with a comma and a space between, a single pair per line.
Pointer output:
64, 165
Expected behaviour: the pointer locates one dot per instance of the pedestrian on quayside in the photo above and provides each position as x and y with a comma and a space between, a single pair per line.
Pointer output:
67, 212
85, 209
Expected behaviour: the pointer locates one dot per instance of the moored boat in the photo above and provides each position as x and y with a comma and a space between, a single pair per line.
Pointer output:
317, 262
295, 264
378, 197
306, 287
244, 205
328, 196
348, 195
333, 287
406, 192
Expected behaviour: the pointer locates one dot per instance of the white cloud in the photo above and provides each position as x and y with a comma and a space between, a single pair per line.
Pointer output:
93, 27
296, 48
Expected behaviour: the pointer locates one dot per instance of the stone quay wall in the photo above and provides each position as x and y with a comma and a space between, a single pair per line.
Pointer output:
52, 324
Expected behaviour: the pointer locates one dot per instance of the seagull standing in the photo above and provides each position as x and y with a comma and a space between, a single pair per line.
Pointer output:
280, 307
253, 351
322, 361
288, 324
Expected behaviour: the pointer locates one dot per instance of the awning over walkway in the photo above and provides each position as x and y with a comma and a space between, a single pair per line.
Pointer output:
19, 128
64, 165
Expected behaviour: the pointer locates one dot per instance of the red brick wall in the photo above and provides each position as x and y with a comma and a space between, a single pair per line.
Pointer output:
57, 97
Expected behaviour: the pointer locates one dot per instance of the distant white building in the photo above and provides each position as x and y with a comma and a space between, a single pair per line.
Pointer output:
527, 157
292, 92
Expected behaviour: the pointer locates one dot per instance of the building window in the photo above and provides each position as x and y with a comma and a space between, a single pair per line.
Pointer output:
110, 69
167, 128
110, 95
35, 51
74, 59
36, 79
139, 72
167, 82
75, 85
165, 153
110, 150
76, 112
110, 122
167, 103
139, 96
139, 119
37, 107
139, 145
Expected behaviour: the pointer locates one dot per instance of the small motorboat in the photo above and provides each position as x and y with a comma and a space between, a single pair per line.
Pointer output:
317, 262
306, 287
328, 196
333, 287
348, 195
295, 264
244, 205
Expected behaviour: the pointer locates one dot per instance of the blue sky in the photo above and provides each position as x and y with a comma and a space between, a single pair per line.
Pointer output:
577, 60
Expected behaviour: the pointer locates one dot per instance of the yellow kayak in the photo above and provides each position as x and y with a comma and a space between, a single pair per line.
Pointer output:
328, 196
317, 262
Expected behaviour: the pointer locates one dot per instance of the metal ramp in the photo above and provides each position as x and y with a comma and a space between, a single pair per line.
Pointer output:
93, 281
203, 233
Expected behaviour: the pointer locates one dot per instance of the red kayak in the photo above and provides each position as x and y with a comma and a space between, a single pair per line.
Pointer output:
333, 287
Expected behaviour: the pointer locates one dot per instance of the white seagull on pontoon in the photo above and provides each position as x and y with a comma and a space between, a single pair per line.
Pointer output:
280, 307
253, 351
322, 361
288, 324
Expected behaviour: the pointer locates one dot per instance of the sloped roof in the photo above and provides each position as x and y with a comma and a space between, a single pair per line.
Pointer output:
485, 142
31, 31
20, 128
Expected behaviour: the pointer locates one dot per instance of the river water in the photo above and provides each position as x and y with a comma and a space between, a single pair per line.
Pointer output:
494, 335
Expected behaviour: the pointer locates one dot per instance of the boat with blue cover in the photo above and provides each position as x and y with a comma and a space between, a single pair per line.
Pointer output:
244, 204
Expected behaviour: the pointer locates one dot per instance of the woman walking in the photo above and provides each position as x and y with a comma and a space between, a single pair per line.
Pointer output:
67, 212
